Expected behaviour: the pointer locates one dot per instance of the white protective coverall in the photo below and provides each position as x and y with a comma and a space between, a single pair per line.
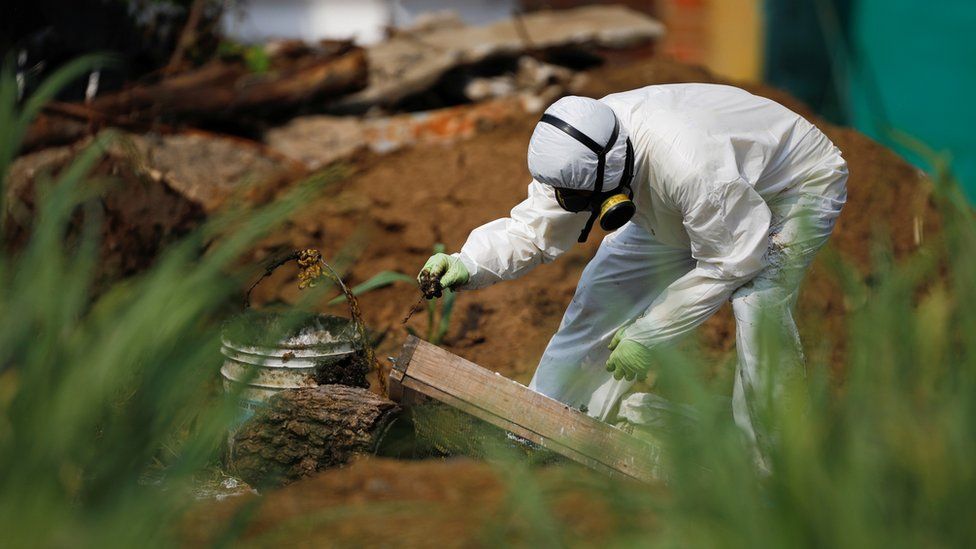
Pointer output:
734, 193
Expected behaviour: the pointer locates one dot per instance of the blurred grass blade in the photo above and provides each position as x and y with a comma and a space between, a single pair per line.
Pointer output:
447, 308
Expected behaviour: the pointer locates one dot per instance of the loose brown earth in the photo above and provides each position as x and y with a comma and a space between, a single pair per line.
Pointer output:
460, 502
411, 200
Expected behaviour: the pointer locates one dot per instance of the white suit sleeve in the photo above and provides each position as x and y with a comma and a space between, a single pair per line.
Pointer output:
728, 225
538, 231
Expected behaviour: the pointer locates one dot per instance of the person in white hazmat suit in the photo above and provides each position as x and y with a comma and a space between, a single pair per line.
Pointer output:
714, 194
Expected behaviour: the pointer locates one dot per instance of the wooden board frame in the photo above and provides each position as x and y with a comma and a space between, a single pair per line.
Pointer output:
425, 371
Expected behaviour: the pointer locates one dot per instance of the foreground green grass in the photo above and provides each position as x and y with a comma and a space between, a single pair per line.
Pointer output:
107, 403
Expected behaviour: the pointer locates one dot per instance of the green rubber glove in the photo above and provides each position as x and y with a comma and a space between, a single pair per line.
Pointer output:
453, 273
629, 359
619, 335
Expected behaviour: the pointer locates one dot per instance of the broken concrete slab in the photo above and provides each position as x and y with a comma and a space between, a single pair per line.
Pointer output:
409, 63
206, 169
531, 77
317, 141
209, 169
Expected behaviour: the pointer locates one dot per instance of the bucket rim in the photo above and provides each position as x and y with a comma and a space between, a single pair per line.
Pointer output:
257, 355
340, 331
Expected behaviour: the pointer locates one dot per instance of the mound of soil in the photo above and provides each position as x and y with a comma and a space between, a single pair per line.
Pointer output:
434, 503
141, 214
412, 199
151, 189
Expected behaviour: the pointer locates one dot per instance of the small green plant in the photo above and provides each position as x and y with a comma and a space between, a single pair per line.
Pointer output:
255, 57
438, 312
438, 317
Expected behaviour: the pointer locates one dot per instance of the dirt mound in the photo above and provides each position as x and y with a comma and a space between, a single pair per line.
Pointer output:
152, 189
410, 200
141, 214
432, 503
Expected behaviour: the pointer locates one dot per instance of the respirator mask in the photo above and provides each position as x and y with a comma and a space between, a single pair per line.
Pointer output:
614, 207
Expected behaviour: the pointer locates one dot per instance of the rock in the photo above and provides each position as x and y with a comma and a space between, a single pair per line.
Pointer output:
318, 140
209, 169
307, 430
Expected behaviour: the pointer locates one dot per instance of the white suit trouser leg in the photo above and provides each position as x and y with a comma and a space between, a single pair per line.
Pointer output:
629, 271
767, 340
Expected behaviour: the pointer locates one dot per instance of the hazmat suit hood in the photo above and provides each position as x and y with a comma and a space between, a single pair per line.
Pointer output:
558, 160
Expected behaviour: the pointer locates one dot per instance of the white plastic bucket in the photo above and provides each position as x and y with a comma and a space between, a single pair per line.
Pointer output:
258, 372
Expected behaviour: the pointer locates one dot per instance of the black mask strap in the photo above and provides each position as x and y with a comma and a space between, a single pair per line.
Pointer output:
576, 134
628, 174
601, 157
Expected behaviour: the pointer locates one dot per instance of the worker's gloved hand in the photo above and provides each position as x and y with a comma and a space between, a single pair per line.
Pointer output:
629, 359
618, 336
451, 271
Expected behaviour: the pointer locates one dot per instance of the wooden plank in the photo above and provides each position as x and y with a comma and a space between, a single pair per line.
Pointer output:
429, 370
417, 393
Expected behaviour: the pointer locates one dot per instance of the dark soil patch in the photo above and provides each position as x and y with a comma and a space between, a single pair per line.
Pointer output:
140, 216
350, 370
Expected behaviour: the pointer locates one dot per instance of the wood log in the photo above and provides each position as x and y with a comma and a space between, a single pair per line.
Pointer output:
193, 91
222, 88
217, 90
305, 81
426, 371
306, 430
52, 129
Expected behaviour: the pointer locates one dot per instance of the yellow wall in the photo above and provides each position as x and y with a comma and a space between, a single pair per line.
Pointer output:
735, 38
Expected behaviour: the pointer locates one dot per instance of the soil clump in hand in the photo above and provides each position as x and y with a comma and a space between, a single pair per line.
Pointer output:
430, 285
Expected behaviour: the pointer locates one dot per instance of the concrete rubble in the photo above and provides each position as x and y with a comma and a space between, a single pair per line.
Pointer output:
411, 62
317, 141
442, 52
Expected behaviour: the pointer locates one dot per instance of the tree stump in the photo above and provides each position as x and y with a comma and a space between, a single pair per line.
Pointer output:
303, 431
